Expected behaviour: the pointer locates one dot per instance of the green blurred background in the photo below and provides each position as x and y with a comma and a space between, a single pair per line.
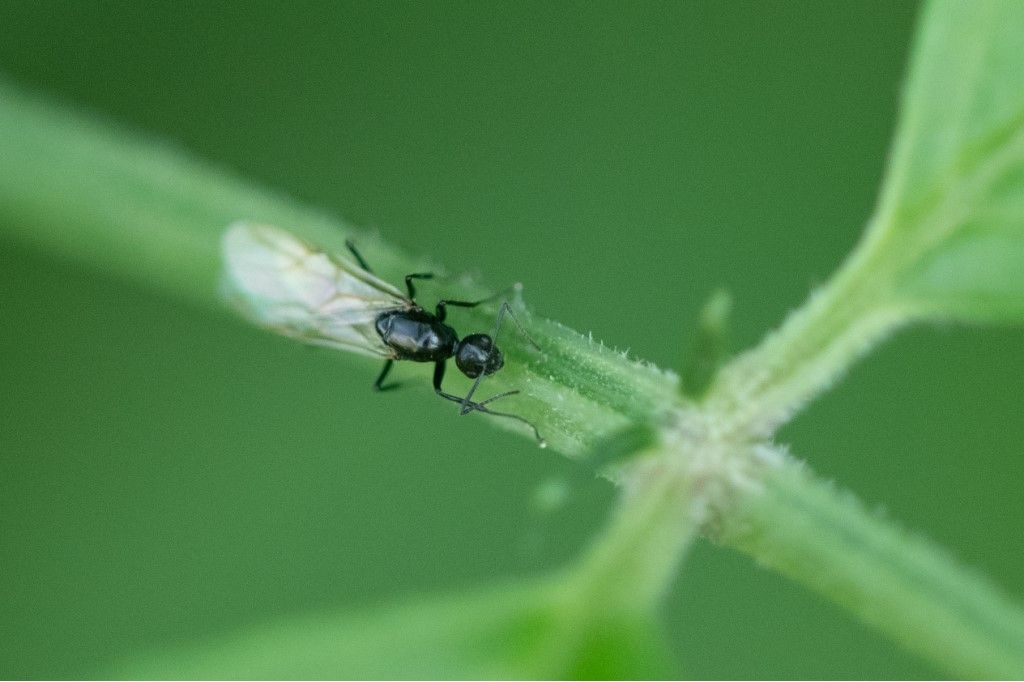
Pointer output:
167, 474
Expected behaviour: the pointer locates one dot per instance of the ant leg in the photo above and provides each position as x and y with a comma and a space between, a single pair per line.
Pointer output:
468, 407
441, 311
439, 368
472, 304
498, 397
408, 278
378, 385
505, 309
351, 246
416, 275
536, 434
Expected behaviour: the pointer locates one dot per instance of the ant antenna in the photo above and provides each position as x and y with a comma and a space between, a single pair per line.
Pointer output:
479, 407
467, 403
505, 309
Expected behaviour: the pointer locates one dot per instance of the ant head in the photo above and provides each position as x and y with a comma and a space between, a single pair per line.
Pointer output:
476, 354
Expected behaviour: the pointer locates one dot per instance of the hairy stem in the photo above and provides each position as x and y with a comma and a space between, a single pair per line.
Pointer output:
638, 555
899, 583
125, 206
764, 387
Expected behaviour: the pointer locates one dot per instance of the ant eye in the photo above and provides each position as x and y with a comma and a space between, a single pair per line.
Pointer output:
281, 282
496, 362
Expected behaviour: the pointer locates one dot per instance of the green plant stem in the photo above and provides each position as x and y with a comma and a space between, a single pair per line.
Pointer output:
901, 584
130, 208
638, 555
118, 203
127, 206
766, 386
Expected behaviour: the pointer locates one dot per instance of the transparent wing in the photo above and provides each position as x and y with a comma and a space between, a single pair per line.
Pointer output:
284, 284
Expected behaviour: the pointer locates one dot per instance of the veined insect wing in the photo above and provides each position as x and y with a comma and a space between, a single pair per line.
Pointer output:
288, 286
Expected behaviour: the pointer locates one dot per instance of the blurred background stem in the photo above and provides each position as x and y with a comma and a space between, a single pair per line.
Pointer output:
638, 555
132, 208
121, 204
77, 189
903, 585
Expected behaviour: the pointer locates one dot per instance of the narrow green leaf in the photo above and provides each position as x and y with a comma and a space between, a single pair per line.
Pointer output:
515, 631
710, 344
951, 217
596, 620
947, 240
